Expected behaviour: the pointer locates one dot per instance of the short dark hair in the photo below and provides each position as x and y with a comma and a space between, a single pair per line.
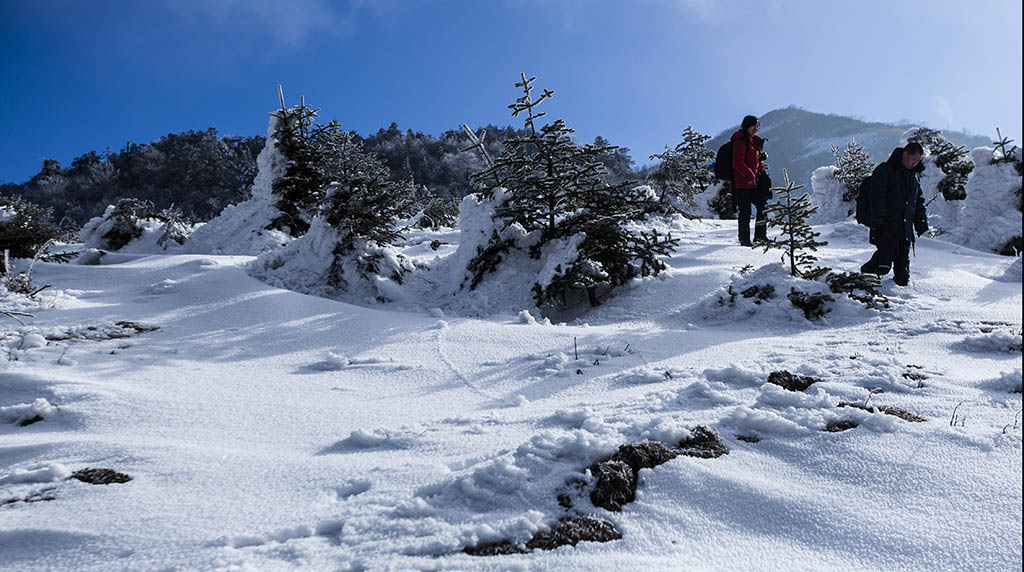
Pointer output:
914, 148
748, 121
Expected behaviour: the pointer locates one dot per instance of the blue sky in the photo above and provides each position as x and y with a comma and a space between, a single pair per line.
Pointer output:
80, 75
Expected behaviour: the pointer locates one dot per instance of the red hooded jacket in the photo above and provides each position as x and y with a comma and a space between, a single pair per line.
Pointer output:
746, 160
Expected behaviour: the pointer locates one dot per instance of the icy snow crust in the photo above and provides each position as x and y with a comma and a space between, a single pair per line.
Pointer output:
271, 430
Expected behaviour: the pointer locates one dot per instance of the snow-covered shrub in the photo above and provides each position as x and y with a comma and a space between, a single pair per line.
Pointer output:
346, 252
853, 163
945, 217
683, 173
834, 189
863, 288
24, 228
770, 294
716, 202
992, 217
554, 193
175, 230
435, 212
953, 161
132, 224
119, 225
827, 195
363, 273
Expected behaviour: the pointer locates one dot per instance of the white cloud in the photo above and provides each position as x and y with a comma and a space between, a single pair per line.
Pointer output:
283, 24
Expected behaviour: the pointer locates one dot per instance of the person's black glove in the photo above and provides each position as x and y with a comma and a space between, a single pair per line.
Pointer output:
876, 229
920, 227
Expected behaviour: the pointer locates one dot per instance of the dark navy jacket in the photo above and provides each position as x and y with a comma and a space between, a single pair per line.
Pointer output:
896, 195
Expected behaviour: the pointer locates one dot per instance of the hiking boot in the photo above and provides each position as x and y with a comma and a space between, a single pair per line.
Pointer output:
746, 243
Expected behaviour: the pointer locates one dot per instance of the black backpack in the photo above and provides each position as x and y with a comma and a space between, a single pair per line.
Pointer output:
863, 212
723, 162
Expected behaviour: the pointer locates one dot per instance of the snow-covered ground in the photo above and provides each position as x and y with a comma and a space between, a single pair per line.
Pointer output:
269, 430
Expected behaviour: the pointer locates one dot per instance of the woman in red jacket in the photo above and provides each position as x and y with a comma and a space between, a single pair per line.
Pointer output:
746, 168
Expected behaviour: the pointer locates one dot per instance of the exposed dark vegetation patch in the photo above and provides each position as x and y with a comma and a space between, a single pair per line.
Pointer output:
749, 438
842, 425
864, 288
617, 475
888, 410
494, 549
1013, 247
814, 305
704, 443
760, 292
30, 420
38, 496
645, 455
572, 530
791, 381
914, 376
100, 476
765, 292
616, 482
118, 330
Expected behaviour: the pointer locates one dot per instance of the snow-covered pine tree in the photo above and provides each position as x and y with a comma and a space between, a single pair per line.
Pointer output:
953, 161
361, 202
683, 172
555, 187
797, 240
126, 222
302, 185
175, 228
1000, 154
853, 163
24, 227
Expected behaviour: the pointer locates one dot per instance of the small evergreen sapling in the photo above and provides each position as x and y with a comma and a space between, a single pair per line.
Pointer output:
176, 229
953, 161
127, 218
797, 240
683, 172
24, 227
555, 188
361, 203
302, 185
853, 163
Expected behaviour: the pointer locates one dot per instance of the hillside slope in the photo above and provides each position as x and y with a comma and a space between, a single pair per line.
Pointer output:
799, 140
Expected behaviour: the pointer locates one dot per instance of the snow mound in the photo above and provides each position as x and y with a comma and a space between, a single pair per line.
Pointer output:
992, 215
370, 273
242, 228
997, 341
764, 295
827, 194
95, 231
508, 289
27, 413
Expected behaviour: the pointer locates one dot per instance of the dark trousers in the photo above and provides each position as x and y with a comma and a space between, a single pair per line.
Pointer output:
892, 250
744, 199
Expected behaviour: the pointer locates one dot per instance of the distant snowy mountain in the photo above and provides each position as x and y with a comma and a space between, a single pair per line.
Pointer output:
799, 140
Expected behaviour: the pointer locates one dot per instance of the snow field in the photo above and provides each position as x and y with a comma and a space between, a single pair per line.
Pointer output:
270, 430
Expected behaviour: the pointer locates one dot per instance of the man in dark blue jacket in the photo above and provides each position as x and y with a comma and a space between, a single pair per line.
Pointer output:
897, 211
